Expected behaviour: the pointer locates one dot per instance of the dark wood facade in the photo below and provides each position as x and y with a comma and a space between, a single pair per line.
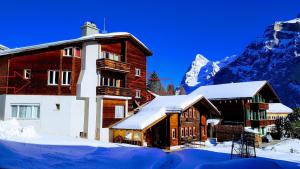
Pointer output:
39, 63
175, 128
249, 112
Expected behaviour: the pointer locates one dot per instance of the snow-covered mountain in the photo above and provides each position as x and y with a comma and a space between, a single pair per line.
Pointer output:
274, 57
202, 71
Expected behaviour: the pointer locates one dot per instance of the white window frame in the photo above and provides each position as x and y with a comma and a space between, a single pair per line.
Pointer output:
173, 133
67, 52
67, 82
182, 132
32, 105
27, 72
137, 93
52, 83
119, 111
138, 72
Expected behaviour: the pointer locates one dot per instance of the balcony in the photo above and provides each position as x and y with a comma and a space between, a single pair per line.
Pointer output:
113, 91
107, 64
257, 123
259, 106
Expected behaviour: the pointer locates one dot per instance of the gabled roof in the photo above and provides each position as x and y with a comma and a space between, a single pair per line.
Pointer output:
81, 39
157, 109
231, 90
279, 108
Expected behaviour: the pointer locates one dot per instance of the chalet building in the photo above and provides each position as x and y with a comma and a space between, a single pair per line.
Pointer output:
167, 121
243, 103
75, 87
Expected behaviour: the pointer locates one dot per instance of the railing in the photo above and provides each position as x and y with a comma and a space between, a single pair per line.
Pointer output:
259, 106
113, 65
113, 91
261, 123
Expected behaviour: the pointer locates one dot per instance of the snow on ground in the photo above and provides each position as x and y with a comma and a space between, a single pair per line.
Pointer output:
24, 148
11, 130
288, 150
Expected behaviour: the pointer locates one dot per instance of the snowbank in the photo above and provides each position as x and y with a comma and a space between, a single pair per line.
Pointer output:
290, 146
11, 129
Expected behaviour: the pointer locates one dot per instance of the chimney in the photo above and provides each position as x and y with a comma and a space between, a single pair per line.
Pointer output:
89, 28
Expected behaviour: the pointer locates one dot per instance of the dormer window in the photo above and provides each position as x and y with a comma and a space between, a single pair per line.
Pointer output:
68, 52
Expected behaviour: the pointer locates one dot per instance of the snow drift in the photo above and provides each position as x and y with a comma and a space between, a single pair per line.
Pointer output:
11, 129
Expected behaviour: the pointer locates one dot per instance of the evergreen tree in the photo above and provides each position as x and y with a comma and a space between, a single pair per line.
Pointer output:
279, 129
154, 84
292, 124
181, 90
170, 89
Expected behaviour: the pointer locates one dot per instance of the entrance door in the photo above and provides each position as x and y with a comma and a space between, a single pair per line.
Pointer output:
203, 133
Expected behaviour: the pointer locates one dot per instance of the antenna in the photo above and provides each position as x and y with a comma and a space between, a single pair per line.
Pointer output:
104, 26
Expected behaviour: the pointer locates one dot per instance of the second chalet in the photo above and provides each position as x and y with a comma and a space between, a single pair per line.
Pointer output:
166, 122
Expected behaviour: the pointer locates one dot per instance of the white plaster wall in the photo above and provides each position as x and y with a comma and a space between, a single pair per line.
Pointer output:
68, 121
86, 85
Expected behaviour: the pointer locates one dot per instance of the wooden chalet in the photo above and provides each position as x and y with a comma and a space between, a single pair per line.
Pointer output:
244, 103
166, 121
109, 67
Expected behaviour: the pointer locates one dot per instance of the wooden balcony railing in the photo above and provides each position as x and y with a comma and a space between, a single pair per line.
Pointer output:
259, 106
113, 91
261, 123
107, 64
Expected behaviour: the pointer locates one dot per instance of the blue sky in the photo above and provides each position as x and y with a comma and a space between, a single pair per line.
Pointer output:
175, 30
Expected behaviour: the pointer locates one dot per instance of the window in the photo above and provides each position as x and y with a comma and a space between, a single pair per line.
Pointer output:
25, 111
190, 129
128, 135
173, 133
137, 136
182, 132
27, 73
68, 52
53, 77
194, 131
137, 72
109, 55
119, 111
186, 132
137, 93
66, 78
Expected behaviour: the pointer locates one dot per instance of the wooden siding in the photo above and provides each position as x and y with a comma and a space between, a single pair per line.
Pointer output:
190, 119
137, 59
174, 125
3, 74
109, 111
40, 62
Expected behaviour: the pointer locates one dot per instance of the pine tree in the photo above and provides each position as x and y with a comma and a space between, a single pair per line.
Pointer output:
154, 84
170, 89
182, 90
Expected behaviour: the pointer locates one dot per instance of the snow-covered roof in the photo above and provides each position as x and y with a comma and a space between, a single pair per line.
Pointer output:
157, 109
279, 108
84, 38
230, 90
2, 47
